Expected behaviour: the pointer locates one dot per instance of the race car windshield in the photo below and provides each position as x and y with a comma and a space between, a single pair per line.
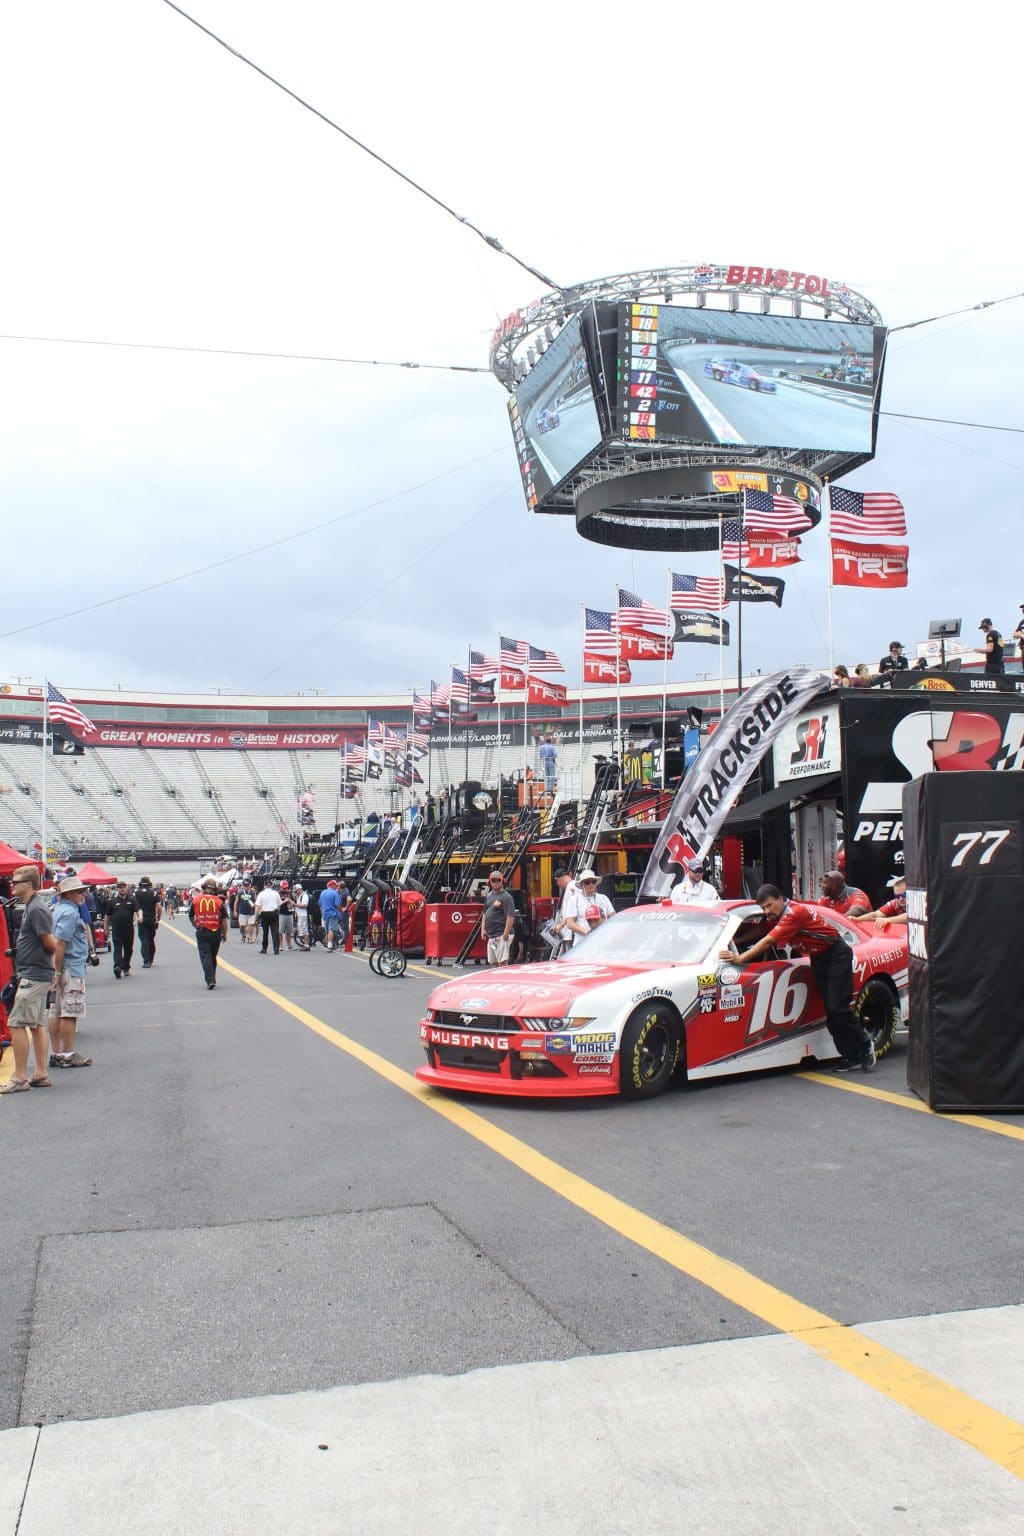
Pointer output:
651, 936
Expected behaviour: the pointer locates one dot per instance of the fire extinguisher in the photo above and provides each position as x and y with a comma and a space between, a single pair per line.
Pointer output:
376, 927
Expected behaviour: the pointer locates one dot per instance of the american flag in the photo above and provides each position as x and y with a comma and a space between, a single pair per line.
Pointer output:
634, 613
734, 545
701, 592
459, 691
62, 709
543, 661
380, 735
420, 704
764, 513
513, 652
599, 633
439, 695
866, 514
481, 666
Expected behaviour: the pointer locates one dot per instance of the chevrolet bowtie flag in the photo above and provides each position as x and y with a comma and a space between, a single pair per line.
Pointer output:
753, 588
712, 786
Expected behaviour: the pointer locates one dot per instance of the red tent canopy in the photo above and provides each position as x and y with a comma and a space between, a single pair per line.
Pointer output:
95, 874
11, 859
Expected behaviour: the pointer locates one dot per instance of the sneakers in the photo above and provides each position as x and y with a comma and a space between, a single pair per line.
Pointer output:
865, 1062
211, 986
847, 1064
117, 973
76, 1059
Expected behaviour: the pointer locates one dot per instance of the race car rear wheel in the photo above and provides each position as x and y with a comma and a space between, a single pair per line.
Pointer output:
649, 1052
878, 1010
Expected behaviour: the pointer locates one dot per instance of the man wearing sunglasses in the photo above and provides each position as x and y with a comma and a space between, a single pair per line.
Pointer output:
497, 920
34, 964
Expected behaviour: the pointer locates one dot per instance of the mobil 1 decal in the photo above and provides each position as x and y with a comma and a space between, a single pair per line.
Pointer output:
891, 738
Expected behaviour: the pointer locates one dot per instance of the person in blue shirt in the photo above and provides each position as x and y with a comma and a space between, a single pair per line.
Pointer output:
69, 962
330, 911
549, 761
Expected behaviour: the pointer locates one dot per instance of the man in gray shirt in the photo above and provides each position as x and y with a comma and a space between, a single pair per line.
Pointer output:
36, 944
498, 919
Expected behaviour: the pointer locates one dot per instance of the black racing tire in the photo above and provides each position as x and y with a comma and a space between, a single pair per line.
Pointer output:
877, 1009
374, 957
755, 386
717, 375
649, 1051
391, 963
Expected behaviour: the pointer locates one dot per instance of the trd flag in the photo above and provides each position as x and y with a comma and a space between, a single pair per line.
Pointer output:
512, 681
771, 550
751, 588
543, 692
866, 514
701, 629
715, 782
765, 513
601, 669
638, 645
869, 565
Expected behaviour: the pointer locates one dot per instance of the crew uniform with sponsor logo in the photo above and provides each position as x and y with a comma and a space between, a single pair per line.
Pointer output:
693, 890
808, 933
209, 915
847, 899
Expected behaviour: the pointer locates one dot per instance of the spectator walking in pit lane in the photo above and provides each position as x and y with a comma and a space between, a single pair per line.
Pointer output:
150, 913
209, 917
847, 899
301, 916
123, 908
245, 911
69, 961
33, 964
268, 910
330, 912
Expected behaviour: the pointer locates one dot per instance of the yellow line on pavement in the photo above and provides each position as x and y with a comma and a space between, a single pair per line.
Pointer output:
997, 1437
980, 1122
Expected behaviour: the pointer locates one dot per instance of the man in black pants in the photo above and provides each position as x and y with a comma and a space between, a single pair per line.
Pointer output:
831, 958
210, 920
150, 913
123, 908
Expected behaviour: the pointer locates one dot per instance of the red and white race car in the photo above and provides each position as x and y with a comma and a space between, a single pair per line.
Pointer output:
644, 996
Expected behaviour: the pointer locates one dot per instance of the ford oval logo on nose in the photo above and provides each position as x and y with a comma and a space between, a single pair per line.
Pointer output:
475, 1002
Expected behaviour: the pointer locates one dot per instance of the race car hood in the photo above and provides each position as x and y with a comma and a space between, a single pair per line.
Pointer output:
542, 991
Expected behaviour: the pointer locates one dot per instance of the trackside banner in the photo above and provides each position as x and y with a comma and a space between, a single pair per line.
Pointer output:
713, 785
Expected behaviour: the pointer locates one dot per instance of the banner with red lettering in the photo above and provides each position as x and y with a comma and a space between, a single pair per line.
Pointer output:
638, 645
543, 692
602, 669
512, 681
869, 565
766, 551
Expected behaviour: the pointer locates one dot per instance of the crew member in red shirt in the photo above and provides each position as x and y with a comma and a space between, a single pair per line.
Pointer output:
847, 899
209, 914
894, 911
808, 933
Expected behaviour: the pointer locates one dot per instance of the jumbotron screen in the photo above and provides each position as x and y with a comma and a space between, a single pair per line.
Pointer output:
554, 415
725, 377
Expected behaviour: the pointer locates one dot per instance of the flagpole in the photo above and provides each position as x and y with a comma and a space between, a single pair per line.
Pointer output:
664, 674
583, 667
739, 615
828, 575
721, 619
527, 799
42, 781
501, 803
469, 701
617, 752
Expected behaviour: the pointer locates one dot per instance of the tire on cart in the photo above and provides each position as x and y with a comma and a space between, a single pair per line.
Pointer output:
649, 1051
391, 962
877, 1008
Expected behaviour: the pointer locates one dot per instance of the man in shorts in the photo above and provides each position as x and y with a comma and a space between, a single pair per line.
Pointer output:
330, 911
497, 920
301, 916
245, 911
69, 962
33, 960
287, 914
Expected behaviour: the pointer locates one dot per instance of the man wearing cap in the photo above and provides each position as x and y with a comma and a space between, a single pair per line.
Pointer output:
301, 916
123, 908
287, 914
330, 912
209, 915
498, 919
69, 962
597, 908
150, 913
847, 899
268, 910
34, 965
895, 661
570, 925
693, 890
245, 911
994, 664
894, 910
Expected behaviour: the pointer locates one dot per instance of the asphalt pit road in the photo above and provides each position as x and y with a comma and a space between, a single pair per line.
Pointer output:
128, 1321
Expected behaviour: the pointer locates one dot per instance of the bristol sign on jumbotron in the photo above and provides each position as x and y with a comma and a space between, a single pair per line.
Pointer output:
781, 278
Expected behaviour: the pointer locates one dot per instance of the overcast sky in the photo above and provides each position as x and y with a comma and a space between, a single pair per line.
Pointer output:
157, 190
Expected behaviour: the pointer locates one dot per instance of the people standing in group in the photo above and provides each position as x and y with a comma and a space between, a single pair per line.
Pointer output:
330, 912
243, 910
840, 897
268, 910
123, 910
861, 676
994, 664
33, 960
301, 916
693, 890
209, 918
895, 661
498, 919
287, 914
809, 933
150, 911
345, 909
569, 924
69, 961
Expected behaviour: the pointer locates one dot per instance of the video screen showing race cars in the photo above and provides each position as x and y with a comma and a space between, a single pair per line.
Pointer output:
772, 381
554, 415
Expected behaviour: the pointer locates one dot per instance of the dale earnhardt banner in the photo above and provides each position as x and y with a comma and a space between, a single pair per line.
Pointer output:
713, 785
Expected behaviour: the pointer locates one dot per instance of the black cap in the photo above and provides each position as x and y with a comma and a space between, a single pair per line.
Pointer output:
560, 872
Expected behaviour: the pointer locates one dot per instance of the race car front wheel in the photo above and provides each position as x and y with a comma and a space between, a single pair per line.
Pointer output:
649, 1052
878, 1010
